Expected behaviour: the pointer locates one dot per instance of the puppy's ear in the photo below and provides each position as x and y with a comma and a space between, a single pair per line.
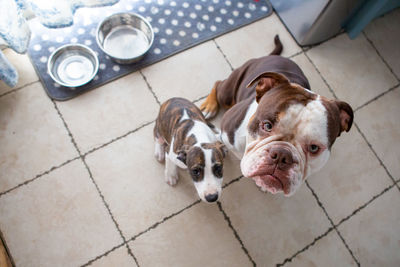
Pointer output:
221, 147
265, 81
181, 154
346, 115
213, 128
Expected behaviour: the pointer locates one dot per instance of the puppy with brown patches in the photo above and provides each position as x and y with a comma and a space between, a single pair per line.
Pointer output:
281, 130
183, 138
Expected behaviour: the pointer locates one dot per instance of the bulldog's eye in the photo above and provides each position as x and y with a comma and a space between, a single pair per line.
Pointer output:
313, 148
266, 125
217, 170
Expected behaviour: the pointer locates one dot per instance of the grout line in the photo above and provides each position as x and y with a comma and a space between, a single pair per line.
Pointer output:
376, 155
355, 124
379, 54
102, 255
92, 179
107, 206
306, 247
331, 222
365, 204
322, 77
334, 94
233, 181
223, 54
17, 89
66, 127
163, 220
38, 176
132, 255
228, 220
377, 97
296, 54
199, 99
155, 225
118, 138
150, 88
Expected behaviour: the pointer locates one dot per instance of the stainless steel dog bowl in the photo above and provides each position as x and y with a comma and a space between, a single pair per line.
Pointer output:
73, 65
125, 37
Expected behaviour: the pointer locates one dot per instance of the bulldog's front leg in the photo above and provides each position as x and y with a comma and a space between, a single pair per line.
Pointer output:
171, 172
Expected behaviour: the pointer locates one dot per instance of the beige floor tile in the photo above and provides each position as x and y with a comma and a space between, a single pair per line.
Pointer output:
190, 74
327, 252
373, 234
136, 177
273, 227
22, 64
197, 237
386, 38
58, 220
117, 258
352, 68
379, 121
256, 40
351, 177
33, 138
109, 111
314, 78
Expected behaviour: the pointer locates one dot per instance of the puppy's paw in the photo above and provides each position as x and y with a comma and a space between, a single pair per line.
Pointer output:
171, 179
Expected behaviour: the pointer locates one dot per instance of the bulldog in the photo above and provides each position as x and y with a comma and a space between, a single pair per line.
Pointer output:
281, 131
183, 138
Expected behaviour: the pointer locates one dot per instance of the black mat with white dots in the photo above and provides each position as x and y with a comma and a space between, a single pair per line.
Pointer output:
177, 24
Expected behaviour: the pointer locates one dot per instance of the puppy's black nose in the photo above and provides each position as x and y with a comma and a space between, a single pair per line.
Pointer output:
212, 197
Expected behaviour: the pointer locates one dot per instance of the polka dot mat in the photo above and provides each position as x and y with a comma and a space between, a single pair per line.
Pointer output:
177, 25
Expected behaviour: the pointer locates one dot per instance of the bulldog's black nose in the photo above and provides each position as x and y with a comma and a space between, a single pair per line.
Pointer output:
212, 197
282, 157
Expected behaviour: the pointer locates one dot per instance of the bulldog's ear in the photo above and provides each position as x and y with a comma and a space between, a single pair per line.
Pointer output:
346, 115
266, 81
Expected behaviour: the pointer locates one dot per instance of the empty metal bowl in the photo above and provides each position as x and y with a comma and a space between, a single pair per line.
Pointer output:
125, 37
73, 65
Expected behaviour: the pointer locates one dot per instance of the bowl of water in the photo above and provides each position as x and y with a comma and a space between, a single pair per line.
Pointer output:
125, 37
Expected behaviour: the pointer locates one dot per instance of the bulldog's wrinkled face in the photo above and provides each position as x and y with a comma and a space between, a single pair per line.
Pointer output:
291, 133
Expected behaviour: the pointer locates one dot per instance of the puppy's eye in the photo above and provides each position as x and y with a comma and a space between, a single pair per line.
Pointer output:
313, 148
266, 125
196, 172
217, 170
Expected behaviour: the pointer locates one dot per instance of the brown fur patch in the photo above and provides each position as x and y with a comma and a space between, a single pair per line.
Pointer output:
195, 160
169, 124
340, 118
276, 101
210, 105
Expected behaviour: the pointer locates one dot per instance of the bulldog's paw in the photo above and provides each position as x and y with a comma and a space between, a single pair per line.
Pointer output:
171, 179
210, 106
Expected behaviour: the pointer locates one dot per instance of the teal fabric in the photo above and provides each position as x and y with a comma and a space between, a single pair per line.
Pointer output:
366, 13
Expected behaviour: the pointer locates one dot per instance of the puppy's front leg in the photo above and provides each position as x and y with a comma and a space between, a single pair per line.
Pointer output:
171, 172
159, 150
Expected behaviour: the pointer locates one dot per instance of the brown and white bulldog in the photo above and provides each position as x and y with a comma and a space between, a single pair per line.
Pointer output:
281, 130
183, 138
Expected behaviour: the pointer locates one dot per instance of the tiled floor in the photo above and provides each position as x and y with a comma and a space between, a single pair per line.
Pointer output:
79, 184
